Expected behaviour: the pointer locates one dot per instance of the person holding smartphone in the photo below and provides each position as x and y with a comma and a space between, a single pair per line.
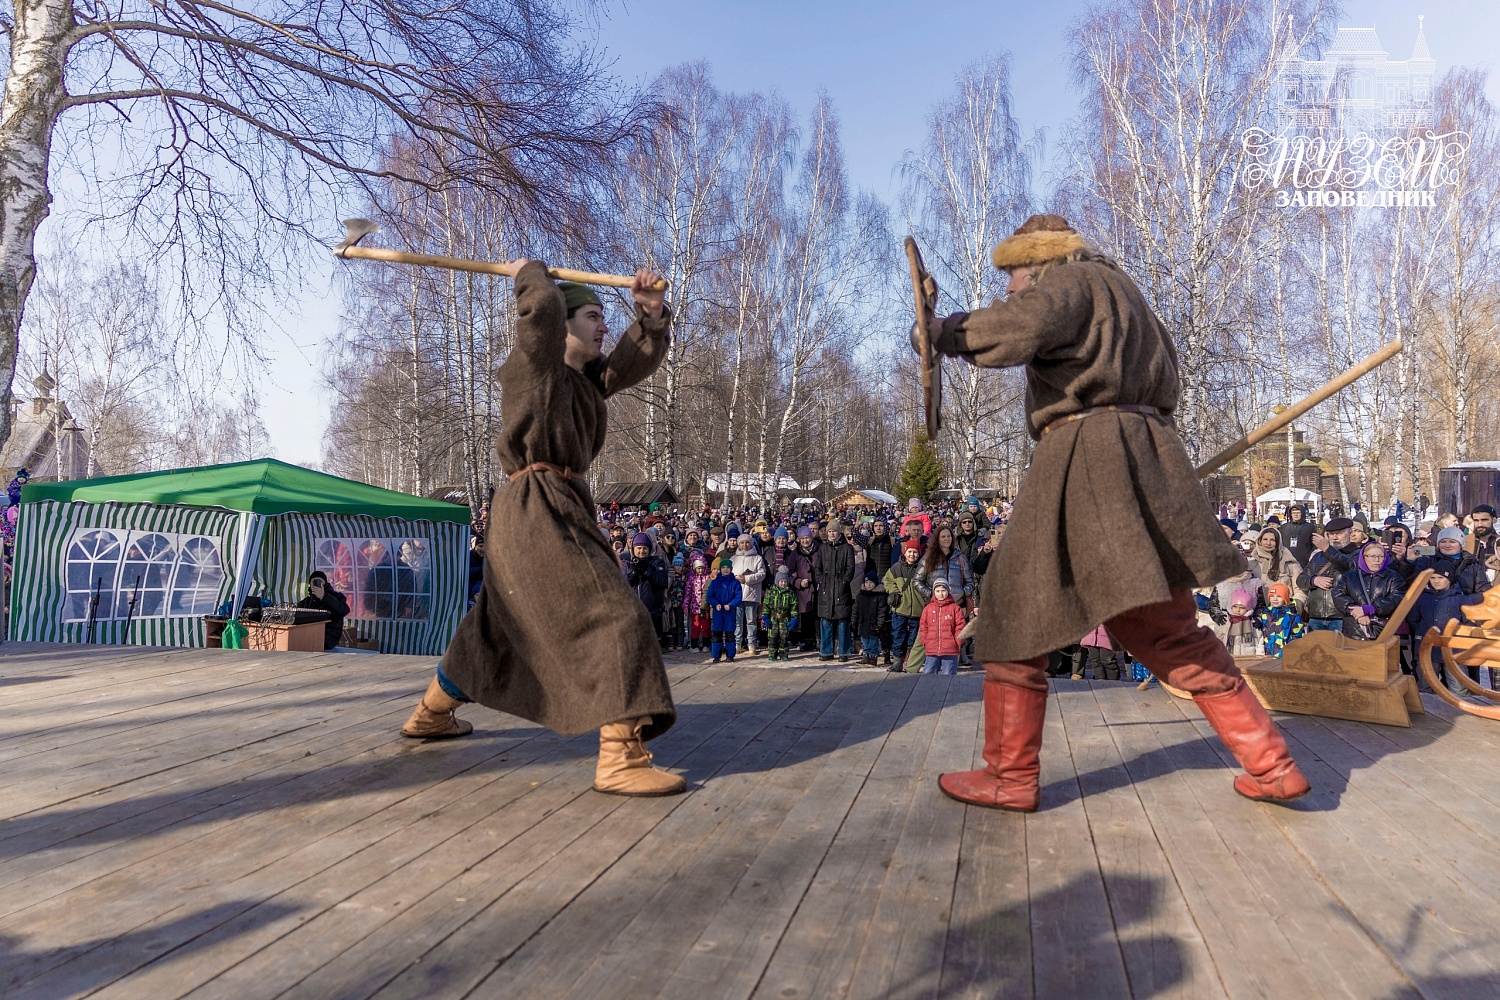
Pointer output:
322, 597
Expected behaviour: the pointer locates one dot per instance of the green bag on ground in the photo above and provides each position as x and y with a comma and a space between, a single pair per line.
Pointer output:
234, 635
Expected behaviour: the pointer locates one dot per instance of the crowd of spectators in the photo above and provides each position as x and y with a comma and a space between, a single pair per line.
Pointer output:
899, 587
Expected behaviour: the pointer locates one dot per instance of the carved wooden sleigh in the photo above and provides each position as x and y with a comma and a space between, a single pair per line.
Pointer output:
1476, 645
1332, 675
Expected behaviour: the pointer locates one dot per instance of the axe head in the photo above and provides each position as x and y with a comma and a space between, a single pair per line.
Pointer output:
354, 231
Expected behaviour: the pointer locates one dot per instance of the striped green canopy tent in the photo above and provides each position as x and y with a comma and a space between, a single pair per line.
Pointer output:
187, 542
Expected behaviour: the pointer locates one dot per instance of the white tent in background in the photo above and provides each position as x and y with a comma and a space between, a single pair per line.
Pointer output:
1289, 494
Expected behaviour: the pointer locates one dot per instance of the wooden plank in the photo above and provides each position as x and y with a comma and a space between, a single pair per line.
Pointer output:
1264, 895
908, 937
437, 909
822, 944
727, 957
1162, 947
1414, 879
466, 958
274, 838
643, 913
1073, 947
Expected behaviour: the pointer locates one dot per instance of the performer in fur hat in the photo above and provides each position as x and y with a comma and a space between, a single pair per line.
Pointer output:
1101, 386
556, 635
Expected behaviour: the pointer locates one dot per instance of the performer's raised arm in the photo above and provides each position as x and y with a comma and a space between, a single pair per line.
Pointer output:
541, 323
1015, 330
644, 345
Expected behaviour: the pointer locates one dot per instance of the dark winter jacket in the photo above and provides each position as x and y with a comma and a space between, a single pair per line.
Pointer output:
870, 612
1466, 577
878, 554
337, 607
1330, 562
1296, 539
1377, 593
648, 578
833, 570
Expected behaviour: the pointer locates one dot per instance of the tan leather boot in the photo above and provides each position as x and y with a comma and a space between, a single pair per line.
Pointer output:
625, 764
434, 718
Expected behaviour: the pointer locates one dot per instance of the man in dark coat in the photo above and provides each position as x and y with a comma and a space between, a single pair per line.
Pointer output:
879, 554
833, 571
322, 597
1334, 557
556, 635
1101, 386
1296, 535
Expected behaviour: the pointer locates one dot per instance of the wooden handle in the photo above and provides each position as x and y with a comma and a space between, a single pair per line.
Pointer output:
1408, 600
505, 268
1291, 413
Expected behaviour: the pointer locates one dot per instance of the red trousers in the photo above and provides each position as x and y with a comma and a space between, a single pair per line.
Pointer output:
698, 626
1165, 637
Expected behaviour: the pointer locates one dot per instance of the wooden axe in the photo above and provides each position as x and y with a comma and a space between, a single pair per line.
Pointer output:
357, 229
1291, 413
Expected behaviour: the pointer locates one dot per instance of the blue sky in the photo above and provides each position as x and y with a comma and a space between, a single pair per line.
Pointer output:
884, 64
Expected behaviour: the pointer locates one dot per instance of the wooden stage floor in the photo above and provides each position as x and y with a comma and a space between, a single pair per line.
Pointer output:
244, 825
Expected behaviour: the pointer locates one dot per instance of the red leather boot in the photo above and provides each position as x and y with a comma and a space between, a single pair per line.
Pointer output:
1256, 743
1013, 718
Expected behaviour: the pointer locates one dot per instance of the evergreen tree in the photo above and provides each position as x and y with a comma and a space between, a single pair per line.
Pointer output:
923, 472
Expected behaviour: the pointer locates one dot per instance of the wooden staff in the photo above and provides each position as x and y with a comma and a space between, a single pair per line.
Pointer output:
357, 229
1291, 413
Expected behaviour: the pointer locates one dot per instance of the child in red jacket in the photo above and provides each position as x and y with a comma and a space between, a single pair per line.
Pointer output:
942, 620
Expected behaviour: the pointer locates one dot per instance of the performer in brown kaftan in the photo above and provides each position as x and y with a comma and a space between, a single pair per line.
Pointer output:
1101, 386
556, 635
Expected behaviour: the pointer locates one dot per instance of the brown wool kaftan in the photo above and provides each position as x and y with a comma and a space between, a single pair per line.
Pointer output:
1111, 514
556, 635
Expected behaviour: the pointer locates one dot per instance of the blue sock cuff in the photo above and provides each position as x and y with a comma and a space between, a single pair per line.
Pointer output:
449, 688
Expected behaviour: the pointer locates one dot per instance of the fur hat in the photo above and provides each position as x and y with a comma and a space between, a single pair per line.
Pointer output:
1041, 238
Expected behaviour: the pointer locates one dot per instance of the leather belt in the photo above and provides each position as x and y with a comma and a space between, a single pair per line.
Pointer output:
1150, 411
556, 470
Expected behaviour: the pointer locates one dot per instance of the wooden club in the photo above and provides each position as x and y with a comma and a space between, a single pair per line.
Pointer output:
357, 229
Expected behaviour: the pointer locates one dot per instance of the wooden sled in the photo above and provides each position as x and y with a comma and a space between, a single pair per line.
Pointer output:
1463, 646
1330, 675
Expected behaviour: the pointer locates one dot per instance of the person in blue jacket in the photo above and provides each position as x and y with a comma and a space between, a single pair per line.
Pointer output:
724, 595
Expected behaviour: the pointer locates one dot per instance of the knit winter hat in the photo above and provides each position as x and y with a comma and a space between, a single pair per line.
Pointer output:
726, 561
915, 503
940, 581
783, 574
1242, 597
804, 532
1457, 534
871, 575
911, 543
733, 532
576, 296
641, 538
1282, 589
781, 533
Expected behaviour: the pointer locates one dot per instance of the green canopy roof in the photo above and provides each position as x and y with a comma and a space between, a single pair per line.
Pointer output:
264, 486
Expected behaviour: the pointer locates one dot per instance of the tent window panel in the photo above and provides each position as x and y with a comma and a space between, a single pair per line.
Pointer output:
93, 560
382, 578
146, 574
199, 577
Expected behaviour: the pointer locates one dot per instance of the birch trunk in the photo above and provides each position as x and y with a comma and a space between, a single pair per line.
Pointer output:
34, 96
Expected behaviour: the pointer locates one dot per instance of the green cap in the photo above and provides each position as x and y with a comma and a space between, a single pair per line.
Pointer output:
576, 296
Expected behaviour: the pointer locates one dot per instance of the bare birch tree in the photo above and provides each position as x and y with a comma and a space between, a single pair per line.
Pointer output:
968, 189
